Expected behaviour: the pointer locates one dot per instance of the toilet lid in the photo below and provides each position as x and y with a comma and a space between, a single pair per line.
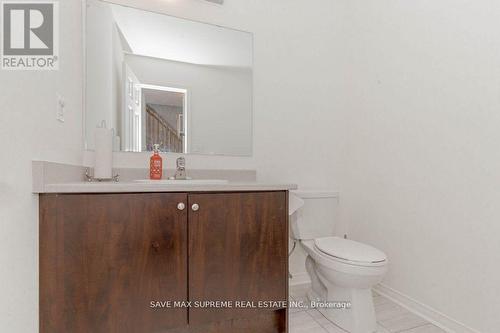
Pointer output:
349, 250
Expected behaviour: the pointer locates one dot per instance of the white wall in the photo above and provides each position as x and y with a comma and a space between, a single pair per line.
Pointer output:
424, 150
29, 130
219, 109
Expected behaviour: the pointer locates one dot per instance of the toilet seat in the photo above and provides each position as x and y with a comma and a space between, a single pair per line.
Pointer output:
341, 265
349, 251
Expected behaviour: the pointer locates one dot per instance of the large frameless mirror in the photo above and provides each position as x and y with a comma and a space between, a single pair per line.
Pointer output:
158, 79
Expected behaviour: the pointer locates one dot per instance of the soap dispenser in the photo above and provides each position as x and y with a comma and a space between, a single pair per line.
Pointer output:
156, 164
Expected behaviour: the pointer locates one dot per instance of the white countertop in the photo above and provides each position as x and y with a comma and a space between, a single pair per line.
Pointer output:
134, 187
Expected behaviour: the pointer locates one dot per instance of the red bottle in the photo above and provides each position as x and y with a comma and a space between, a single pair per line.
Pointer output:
156, 164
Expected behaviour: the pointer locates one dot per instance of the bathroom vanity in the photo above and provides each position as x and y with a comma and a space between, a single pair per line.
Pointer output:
144, 257
125, 258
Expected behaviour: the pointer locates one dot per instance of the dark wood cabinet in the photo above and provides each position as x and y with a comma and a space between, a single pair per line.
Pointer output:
104, 258
237, 252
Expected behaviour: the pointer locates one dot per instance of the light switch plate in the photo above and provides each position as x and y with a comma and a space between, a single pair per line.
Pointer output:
61, 108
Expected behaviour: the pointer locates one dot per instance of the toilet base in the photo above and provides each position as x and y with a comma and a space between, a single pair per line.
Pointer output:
358, 315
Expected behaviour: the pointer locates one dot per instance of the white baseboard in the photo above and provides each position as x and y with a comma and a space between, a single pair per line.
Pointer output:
299, 279
435, 317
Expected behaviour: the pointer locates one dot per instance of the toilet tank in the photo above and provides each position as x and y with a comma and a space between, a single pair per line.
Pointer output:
318, 217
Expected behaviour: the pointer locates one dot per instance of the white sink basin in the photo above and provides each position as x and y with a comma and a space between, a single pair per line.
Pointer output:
183, 182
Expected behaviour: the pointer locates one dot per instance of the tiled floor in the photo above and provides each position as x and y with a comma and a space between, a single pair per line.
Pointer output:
391, 318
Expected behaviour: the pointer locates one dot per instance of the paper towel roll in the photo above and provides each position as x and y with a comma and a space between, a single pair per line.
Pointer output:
103, 166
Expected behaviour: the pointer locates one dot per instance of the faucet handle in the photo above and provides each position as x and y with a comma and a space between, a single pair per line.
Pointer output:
180, 174
181, 163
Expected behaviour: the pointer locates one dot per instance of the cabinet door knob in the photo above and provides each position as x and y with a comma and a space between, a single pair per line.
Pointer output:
195, 207
181, 206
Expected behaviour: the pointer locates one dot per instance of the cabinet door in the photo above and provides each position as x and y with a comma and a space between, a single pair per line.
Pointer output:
238, 251
105, 258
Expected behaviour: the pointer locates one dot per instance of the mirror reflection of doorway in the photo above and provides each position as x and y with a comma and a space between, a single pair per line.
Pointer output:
164, 112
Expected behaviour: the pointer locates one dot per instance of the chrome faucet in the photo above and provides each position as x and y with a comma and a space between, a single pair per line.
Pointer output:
181, 174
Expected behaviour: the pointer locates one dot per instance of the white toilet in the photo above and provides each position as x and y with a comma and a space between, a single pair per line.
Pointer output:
342, 271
